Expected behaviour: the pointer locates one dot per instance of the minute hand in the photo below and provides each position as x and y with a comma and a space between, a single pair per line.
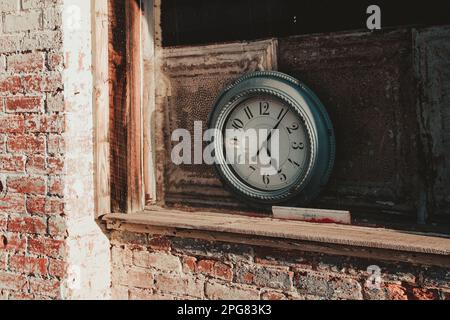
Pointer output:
271, 132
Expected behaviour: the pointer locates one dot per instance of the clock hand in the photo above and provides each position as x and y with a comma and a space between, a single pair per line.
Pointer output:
269, 137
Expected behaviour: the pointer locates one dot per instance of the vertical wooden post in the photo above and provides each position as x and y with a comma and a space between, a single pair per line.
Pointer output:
134, 116
150, 9
101, 107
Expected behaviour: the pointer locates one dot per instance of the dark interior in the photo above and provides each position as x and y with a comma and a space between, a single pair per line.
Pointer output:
186, 22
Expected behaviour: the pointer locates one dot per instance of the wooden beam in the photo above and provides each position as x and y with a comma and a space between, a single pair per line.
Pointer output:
100, 41
150, 9
118, 105
343, 240
134, 106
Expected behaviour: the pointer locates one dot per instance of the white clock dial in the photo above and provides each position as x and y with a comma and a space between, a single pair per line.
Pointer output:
272, 115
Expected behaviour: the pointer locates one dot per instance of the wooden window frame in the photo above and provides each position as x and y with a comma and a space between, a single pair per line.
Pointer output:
123, 141
125, 174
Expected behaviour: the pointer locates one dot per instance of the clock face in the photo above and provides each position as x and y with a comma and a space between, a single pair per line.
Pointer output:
276, 155
277, 145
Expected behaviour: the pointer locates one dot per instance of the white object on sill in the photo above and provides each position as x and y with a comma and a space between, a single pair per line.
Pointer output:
312, 215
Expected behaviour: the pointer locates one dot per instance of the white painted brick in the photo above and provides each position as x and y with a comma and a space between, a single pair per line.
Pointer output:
41, 40
55, 102
33, 4
160, 261
24, 21
9, 5
52, 18
2, 63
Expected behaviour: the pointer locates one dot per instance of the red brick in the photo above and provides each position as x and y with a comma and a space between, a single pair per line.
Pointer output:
15, 164
21, 296
13, 242
13, 204
140, 278
10, 281
26, 62
28, 144
56, 186
219, 291
12, 124
265, 277
159, 243
157, 260
46, 287
189, 264
57, 268
57, 226
46, 247
28, 265
2, 144
3, 260
206, 266
42, 83
396, 292
215, 269
3, 223
42, 205
36, 205
23, 104
273, 296
141, 295
55, 165
56, 144
424, 294
10, 85
44, 123
29, 225
181, 285
36, 164
27, 185
55, 61
223, 271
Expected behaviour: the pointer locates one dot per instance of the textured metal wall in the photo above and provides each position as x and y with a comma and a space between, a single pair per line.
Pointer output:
194, 78
366, 83
432, 61
369, 84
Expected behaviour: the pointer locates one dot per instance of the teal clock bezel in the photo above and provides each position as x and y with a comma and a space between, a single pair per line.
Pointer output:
315, 119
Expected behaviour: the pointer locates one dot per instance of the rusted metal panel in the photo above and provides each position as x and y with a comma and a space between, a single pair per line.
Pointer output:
432, 61
366, 82
194, 76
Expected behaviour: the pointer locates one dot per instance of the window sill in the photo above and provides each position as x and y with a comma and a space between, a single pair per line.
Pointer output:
362, 242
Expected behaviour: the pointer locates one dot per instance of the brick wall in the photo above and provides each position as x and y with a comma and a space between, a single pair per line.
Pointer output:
50, 244
32, 228
154, 267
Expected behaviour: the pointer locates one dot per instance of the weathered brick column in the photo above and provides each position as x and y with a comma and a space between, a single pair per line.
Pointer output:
50, 244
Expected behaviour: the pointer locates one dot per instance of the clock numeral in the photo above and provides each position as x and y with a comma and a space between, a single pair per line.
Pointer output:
238, 124
294, 163
248, 113
298, 146
283, 177
252, 168
264, 109
266, 180
293, 128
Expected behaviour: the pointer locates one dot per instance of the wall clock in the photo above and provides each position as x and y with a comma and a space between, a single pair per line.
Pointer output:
272, 102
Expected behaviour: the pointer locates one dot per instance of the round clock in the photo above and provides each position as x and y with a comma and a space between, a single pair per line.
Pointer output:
276, 145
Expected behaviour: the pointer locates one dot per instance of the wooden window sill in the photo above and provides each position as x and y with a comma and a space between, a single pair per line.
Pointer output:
363, 242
